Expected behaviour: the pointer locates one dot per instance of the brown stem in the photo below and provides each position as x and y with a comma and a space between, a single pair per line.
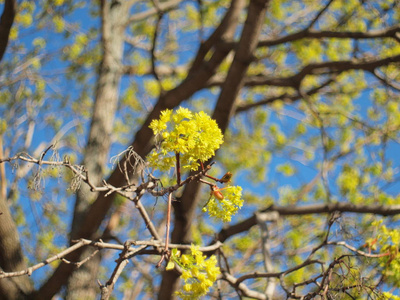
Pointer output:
178, 168
168, 222
165, 254
209, 176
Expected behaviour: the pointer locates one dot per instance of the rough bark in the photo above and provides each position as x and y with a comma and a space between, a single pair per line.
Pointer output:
11, 256
82, 284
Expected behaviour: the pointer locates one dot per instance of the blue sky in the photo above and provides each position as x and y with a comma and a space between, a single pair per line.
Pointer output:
61, 88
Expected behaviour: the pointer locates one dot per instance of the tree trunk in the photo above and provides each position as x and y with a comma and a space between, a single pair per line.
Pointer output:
225, 108
11, 257
82, 284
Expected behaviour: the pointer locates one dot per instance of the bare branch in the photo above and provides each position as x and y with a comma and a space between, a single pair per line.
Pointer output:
355, 250
319, 14
268, 265
107, 188
122, 261
46, 262
283, 97
277, 274
162, 7
386, 81
161, 70
243, 288
102, 245
325, 166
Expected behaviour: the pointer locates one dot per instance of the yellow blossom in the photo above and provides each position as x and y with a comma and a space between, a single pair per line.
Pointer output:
226, 206
195, 136
198, 272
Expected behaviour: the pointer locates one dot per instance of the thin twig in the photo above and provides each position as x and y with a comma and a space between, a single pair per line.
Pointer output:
166, 252
122, 261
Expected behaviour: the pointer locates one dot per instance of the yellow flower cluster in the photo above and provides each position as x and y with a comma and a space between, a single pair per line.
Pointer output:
198, 272
225, 207
387, 242
194, 136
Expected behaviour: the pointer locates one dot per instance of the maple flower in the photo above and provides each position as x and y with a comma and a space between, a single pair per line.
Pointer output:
224, 204
198, 272
195, 136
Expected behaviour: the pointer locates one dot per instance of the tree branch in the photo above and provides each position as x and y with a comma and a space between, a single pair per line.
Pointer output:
122, 261
266, 251
386, 81
102, 245
58, 256
247, 292
319, 14
284, 97
323, 68
162, 7
161, 70
106, 189
391, 32
383, 210
221, 35
6, 21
